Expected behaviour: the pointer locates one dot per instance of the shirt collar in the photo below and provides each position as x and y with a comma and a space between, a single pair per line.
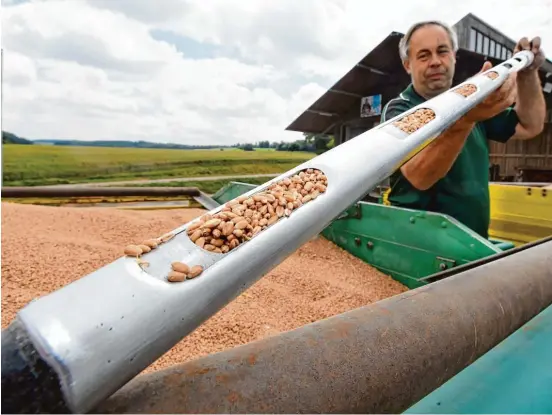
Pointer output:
411, 95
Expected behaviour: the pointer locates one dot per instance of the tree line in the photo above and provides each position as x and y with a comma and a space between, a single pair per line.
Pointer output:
314, 143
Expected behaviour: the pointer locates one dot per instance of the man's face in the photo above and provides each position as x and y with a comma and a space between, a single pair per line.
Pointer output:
431, 61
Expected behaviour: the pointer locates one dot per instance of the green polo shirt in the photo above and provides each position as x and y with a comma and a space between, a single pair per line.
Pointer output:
464, 192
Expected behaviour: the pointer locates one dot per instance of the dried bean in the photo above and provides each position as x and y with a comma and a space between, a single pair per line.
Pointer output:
133, 250
180, 267
175, 276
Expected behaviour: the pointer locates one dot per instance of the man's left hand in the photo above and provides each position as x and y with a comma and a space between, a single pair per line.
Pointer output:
534, 46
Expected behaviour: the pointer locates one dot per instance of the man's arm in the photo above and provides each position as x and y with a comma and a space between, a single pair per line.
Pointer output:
433, 162
530, 106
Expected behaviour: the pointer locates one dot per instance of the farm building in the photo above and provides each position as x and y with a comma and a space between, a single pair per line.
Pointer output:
379, 77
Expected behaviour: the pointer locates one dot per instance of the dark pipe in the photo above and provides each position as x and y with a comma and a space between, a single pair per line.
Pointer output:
478, 262
380, 358
29, 384
14, 192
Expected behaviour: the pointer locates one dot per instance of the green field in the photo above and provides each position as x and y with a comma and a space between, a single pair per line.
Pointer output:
37, 165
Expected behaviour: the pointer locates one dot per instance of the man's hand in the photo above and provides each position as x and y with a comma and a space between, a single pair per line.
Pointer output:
534, 46
495, 103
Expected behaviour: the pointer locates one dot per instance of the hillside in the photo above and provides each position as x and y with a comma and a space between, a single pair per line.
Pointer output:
9, 138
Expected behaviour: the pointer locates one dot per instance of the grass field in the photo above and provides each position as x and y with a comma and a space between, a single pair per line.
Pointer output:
46, 165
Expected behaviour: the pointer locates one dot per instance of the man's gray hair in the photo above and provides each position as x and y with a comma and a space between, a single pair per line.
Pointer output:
404, 44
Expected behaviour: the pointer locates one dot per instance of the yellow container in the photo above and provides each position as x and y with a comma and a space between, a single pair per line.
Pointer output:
520, 213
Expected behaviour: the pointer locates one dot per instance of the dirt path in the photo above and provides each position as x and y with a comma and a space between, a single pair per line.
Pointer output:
319, 280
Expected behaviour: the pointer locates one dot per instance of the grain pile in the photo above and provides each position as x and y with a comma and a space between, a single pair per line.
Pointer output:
64, 244
492, 75
416, 120
466, 90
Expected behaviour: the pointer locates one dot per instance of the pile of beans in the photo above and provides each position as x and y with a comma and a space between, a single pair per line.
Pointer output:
466, 90
492, 75
180, 271
415, 121
240, 220
244, 217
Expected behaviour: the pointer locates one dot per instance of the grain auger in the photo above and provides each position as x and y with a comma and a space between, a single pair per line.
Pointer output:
73, 348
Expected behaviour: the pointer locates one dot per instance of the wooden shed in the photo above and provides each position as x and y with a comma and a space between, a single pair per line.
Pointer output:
380, 76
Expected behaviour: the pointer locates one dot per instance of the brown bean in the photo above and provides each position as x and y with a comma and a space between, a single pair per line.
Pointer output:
306, 199
241, 199
290, 206
217, 242
256, 230
145, 249
320, 187
287, 212
315, 194
206, 217
228, 228
248, 213
206, 232
238, 233
280, 211
241, 225
209, 247
308, 187
195, 271
196, 235
213, 223
175, 276
270, 198
200, 242
152, 243
273, 220
238, 219
234, 243
216, 233
225, 249
193, 227
263, 222
133, 250
180, 267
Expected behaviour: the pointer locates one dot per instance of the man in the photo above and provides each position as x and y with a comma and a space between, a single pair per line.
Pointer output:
451, 175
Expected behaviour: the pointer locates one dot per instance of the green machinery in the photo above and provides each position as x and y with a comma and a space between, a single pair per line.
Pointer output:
406, 244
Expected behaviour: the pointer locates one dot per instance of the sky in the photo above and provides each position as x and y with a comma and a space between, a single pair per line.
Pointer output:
202, 71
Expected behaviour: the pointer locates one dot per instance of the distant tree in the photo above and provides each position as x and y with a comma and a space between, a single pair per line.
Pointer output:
248, 147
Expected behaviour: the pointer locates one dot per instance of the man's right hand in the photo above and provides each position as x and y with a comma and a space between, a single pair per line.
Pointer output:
495, 103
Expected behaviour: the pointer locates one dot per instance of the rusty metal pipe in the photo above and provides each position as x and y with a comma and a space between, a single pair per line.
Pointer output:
39, 191
380, 358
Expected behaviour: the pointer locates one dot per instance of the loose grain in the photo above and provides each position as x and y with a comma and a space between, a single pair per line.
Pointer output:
413, 122
317, 281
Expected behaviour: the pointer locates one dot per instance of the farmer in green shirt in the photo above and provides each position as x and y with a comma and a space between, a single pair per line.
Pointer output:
451, 175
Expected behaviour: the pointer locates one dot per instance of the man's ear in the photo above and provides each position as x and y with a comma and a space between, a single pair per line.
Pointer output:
406, 65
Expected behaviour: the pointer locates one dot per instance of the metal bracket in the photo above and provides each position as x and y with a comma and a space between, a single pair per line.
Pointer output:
354, 212
445, 263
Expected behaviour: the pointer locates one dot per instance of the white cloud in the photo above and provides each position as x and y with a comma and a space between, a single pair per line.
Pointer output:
92, 69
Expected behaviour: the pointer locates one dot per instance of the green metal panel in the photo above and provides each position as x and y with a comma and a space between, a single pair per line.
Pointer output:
232, 190
403, 243
406, 244
513, 377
